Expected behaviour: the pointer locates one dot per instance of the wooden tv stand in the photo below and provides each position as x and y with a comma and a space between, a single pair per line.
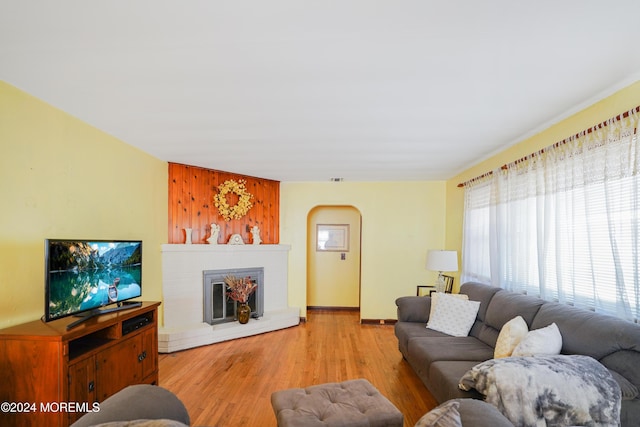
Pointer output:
51, 375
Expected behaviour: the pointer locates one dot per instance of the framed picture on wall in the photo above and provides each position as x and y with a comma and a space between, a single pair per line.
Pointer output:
332, 237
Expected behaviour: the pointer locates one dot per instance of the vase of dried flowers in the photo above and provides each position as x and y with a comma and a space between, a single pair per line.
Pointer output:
239, 289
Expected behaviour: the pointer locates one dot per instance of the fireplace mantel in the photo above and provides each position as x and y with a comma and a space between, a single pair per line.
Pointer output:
182, 271
197, 248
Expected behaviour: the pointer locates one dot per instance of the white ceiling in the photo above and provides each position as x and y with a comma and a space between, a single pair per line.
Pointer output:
302, 90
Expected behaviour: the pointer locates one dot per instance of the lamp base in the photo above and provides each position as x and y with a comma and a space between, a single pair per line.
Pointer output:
440, 283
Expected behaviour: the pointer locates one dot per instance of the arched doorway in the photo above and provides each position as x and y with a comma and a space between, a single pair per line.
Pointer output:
333, 257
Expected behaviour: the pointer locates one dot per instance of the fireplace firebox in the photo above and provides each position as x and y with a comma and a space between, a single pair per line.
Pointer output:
218, 307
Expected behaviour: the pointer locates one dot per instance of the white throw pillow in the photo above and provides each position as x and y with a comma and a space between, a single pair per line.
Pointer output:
453, 315
510, 336
540, 342
435, 297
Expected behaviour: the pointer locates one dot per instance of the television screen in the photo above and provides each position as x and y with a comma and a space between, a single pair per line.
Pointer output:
84, 275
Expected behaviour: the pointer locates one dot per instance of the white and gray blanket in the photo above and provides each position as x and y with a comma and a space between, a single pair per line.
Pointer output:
548, 391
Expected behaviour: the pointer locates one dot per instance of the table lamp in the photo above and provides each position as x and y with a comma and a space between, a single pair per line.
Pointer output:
439, 260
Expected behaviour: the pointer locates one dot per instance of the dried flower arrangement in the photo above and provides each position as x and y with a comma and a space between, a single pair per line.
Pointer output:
240, 288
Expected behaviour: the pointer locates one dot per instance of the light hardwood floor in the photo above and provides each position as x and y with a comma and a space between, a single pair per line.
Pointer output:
229, 384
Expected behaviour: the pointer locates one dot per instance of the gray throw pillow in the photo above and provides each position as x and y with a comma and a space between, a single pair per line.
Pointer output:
445, 415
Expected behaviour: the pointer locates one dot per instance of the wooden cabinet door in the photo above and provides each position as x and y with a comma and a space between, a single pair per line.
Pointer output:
31, 372
82, 384
149, 354
117, 367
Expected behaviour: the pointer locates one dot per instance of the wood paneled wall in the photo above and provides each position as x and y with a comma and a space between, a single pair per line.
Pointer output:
191, 205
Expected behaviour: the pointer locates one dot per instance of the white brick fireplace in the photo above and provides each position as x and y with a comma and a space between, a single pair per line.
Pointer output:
183, 295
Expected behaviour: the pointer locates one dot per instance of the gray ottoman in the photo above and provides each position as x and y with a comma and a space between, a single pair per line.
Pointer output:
354, 403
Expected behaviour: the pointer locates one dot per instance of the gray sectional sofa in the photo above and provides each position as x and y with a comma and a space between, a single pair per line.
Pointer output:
440, 360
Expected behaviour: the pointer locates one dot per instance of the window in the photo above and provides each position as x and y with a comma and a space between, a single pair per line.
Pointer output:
563, 223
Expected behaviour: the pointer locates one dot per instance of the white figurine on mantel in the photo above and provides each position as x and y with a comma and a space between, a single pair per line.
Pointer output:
255, 232
215, 230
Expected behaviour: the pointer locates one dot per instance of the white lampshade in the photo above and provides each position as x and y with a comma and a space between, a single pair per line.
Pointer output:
438, 260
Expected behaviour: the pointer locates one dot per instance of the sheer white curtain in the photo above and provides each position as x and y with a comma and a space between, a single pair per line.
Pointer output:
563, 223
476, 258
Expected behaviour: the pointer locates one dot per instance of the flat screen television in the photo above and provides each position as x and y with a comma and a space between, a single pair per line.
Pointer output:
86, 278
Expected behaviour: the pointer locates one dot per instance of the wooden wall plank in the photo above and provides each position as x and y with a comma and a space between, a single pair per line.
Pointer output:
191, 205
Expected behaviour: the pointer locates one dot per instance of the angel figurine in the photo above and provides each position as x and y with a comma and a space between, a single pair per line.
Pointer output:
215, 230
255, 233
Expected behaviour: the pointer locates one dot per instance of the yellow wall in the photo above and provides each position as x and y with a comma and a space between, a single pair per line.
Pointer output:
619, 102
61, 178
331, 280
400, 222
